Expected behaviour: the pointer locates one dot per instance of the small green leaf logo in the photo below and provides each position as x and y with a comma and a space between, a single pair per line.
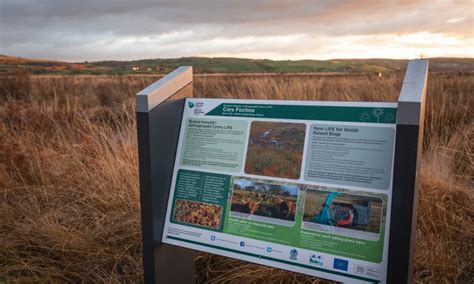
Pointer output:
190, 104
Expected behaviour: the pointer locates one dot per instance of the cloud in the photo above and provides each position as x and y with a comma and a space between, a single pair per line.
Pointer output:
119, 29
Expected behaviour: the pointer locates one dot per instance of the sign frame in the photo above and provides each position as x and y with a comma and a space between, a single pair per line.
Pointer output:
159, 109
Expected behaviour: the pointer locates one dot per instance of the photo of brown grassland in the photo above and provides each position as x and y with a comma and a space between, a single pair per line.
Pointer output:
198, 213
70, 204
356, 212
275, 149
265, 199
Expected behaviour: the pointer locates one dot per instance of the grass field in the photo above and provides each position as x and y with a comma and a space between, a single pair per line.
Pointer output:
208, 65
69, 177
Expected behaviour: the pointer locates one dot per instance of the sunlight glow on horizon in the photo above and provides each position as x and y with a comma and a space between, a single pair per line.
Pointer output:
297, 46
392, 46
277, 30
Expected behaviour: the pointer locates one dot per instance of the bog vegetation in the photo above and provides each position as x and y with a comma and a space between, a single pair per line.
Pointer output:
206, 65
275, 149
69, 179
197, 213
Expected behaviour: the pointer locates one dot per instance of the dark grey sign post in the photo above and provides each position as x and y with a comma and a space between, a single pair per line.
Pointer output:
408, 148
159, 109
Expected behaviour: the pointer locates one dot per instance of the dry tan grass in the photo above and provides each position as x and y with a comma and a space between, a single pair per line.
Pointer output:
69, 186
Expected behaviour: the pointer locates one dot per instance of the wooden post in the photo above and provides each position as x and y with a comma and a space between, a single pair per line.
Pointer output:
408, 148
159, 109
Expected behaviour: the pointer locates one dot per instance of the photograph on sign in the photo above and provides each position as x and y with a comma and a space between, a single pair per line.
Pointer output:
341, 213
268, 202
198, 213
249, 183
275, 149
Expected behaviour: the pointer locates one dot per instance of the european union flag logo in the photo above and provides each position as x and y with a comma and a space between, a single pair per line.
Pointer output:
340, 264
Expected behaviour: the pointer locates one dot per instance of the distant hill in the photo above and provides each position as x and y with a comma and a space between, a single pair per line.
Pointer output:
9, 64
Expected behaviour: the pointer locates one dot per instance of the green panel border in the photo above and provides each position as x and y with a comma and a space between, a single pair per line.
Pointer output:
308, 112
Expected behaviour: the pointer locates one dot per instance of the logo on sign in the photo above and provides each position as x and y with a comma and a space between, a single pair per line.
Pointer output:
316, 259
372, 271
340, 264
293, 254
359, 269
366, 270
197, 107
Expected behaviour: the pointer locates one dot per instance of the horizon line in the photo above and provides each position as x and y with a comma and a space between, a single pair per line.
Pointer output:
232, 57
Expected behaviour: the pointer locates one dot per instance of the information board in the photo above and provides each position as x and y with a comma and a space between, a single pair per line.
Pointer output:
302, 186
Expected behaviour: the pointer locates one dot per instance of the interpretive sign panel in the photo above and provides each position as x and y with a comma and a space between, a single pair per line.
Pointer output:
302, 186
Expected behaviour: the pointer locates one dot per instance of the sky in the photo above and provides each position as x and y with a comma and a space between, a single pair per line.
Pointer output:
95, 30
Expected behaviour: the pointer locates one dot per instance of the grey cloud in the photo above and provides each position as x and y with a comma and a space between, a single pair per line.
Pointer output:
59, 26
